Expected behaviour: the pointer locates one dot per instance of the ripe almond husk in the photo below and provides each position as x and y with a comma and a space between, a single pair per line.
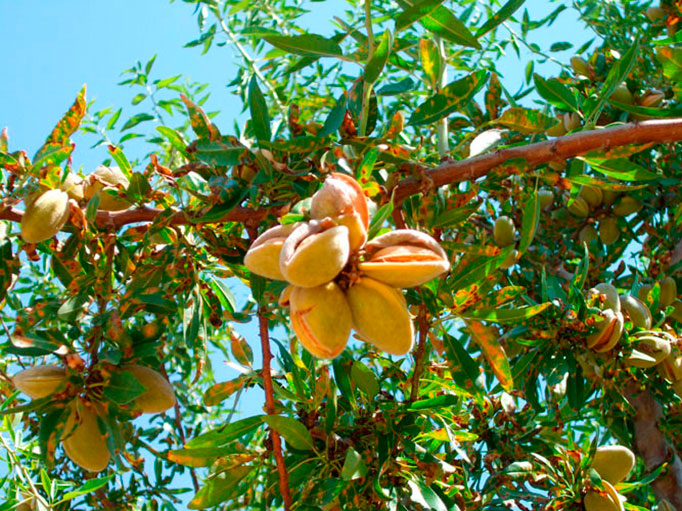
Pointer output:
613, 462
671, 367
45, 216
610, 329
321, 318
103, 179
668, 292
39, 381
649, 351
610, 502
82, 439
357, 232
611, 298
639, 313
158, 395
340, 195
404, 258
380, 316
312, 256
262, 257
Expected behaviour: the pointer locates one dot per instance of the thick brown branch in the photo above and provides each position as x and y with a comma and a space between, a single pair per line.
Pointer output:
270, 409
653, 447
561, 148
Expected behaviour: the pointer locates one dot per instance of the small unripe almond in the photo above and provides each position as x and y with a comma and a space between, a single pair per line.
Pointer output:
380, 316
626, 205
676, 314
668, 292
588, 234
622, 94
571, 121
510, 260
558, 129
45, 216
83, 441
593, 501
643, 291
579, 207
655, 14
39, 381
158, 395
581, 66
609, 232
592, 195
546, 198
613, 462
609, 197
504, 231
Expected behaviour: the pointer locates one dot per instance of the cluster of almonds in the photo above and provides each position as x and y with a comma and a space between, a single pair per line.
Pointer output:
338, 280
613, 463
48, 211
82, 437
649, 347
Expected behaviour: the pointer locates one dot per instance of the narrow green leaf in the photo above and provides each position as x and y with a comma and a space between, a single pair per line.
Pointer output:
392, 89
220, 488
499, 17
441, 21
293, 431
465, 370
415, 12
122, 388
219, 392
88, 487
529, 222
488, 339
121, 160
259, 111
556, 93
431, 60
353, 466
525, 120
379, 218
622, 169
365, 379
335, 118
137, 119
453, 97
470, 272
69, 123
376, 65
225, 434
174, 137
308, 45
506, 315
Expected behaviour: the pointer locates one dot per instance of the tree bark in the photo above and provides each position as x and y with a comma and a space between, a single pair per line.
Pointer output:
653, 446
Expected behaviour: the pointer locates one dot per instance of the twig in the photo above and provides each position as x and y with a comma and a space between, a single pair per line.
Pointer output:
561, 148
419, 356
366, 86
270, 409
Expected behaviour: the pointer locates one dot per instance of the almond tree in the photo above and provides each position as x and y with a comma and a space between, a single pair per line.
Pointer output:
463, 296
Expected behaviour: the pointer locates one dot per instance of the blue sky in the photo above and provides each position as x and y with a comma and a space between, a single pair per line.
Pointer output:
51, 48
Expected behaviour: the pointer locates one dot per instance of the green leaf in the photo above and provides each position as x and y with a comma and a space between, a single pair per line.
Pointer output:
391, 89
488, 339
442, 22
425, 496
137, 119
671, 61
69, 123
365, 379
219, 392
225, 434
260, 118
499, 17
465, 370
377, 221
174, 137
52, 153
293, 431
454, 216
121, 160
223, 293
203, 457
506, 315
122, 388
88, 487
556, 93
353, 466
622, 169
308, 45
415, 12
453, 97
376, 65
446, 400
220, 154
220, 488
529, 222
525, 120
619, 71
469, 272
138, 187
335, 118
199, 121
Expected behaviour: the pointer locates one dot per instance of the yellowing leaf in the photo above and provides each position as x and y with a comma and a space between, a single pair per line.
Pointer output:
487, 339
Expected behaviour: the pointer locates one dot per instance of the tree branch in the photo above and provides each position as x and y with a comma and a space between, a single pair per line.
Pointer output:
419, 356
270, 409
560, 148
653, 446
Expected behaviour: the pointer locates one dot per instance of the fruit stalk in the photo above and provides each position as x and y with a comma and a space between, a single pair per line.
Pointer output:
270, 409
